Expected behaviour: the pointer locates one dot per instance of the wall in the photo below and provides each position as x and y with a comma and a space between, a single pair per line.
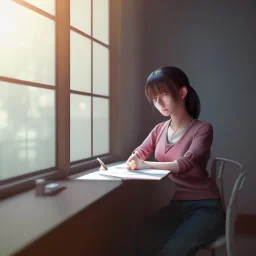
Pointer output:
131, 84
214, 43
134, 125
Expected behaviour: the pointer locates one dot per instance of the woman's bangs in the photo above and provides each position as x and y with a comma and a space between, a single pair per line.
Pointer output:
157, 83
152, 90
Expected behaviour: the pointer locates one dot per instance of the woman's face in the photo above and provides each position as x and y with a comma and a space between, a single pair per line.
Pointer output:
165, 104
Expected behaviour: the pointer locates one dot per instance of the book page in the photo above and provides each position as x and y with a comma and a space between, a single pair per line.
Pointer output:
121, 171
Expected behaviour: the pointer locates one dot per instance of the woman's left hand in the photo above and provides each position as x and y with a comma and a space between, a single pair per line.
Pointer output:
137, 164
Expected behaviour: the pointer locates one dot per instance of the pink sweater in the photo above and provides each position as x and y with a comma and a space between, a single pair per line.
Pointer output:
192, 152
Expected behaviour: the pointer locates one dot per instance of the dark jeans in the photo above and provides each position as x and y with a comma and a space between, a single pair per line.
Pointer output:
180, 228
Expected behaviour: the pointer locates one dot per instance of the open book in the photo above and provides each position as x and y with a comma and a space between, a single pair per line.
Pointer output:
121, 171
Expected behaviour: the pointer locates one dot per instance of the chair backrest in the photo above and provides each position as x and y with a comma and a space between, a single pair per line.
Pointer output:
231, 212
217, 171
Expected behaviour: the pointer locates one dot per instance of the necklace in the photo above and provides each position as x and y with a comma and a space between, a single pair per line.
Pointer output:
170, 140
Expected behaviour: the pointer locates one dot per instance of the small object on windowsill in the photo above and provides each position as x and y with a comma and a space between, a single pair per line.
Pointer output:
44, 188
102, 164
40, 185
53, 188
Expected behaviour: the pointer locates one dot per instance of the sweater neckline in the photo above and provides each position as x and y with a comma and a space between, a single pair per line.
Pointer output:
168, 145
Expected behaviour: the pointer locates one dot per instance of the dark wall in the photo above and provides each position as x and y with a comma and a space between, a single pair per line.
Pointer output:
214, 43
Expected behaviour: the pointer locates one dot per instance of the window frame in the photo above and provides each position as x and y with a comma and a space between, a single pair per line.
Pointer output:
63, 166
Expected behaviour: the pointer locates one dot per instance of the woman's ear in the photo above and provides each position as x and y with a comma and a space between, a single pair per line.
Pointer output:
183, 92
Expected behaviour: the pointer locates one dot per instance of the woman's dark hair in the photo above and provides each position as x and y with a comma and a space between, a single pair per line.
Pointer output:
169, 80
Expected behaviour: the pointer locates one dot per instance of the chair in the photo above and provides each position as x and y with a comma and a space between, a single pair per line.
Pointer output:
226, 240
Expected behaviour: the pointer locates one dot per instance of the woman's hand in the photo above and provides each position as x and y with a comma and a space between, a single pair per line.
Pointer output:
131, 161
135, 163
133, 156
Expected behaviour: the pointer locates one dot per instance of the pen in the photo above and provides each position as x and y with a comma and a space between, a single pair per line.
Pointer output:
102, 164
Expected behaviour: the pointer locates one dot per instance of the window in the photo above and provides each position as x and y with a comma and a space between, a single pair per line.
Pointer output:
27, 89
55, 101
89, 79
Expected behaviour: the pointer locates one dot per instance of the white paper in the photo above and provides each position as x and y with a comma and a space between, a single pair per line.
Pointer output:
121, 171
97, 176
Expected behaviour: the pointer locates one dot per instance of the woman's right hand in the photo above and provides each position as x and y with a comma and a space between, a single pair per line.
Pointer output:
132, 159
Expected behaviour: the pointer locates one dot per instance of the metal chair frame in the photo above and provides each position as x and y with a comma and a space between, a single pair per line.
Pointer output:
217, 170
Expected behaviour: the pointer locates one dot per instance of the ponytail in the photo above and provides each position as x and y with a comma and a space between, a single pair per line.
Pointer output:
192, 102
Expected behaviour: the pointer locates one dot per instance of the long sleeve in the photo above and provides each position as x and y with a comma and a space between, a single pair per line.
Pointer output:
199, 149
147, 147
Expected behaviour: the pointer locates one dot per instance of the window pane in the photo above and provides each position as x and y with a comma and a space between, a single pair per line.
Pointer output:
25, 53
45, 5
80, 15
80, 127
27, 129
101, 20
100, 69
80, 63
100, 126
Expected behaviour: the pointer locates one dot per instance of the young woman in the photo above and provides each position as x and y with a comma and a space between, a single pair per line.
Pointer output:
194, 216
